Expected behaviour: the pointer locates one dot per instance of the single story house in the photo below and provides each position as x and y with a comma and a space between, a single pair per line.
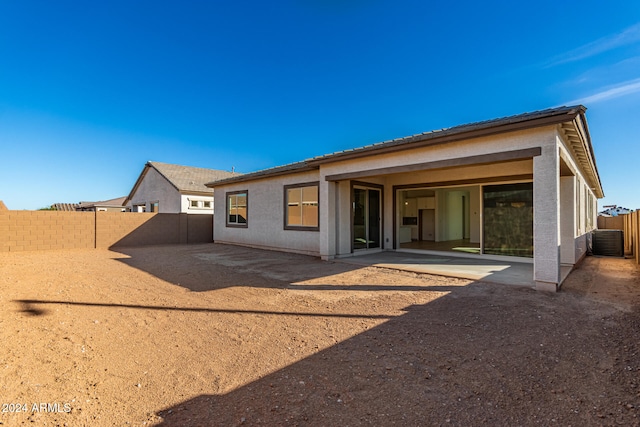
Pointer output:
167, 188
522, 187
112, 205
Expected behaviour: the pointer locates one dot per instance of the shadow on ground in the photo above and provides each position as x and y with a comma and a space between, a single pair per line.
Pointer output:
34, 307
216, 266
481, 354
471, 357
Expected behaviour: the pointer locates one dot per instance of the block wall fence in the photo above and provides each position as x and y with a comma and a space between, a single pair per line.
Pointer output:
611, 222
46, 230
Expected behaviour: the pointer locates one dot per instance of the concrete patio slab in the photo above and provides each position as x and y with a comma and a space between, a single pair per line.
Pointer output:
503, 272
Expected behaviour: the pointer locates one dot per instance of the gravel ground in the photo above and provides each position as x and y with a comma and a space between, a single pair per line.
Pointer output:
206, 335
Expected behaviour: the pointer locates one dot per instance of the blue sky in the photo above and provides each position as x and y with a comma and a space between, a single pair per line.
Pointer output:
90, 91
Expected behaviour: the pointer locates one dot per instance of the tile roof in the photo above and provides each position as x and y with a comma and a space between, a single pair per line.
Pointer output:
482, 128
188, 178
278, 170
519, 119
3, 207
112, 202
65, 206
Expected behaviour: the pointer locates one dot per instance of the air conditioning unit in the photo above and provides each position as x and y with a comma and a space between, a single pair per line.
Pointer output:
608, 242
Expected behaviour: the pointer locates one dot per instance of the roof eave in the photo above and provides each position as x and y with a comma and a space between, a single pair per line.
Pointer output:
137, 184
196, 192
578, 137
457, 133
267, 173
464, 132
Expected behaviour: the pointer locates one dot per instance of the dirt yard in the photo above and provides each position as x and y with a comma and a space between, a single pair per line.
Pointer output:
208, 335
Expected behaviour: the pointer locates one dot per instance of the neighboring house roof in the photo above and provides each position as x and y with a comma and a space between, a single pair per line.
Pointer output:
3, 207
105, 203
185, 179
577, 133
614, 211
65, 206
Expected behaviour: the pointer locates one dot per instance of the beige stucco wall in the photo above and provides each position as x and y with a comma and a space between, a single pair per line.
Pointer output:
546, 215
265, 216
461, 149
556, 237
334, 238
568, 210
154, 187
578, 208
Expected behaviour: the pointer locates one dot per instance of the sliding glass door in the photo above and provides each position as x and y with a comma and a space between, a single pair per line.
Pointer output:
366, 218
508, 219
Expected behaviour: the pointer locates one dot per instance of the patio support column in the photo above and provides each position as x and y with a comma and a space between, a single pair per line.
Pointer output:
546, 218
388, 213
343, 219
327, 219
568, 220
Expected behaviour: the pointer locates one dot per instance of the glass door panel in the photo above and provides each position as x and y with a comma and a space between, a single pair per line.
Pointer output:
373, 229
359, 218
508, 219
366, 218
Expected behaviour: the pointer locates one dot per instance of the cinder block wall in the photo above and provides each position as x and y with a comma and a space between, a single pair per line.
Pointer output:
611, 223
136, 229
43, 230
199, 228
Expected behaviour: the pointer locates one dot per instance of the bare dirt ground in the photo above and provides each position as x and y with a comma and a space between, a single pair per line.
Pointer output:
207, 335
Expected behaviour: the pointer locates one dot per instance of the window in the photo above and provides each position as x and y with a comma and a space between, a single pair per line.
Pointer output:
584, 209
589, 211
577, 208
237, 208
153, 207
200, 204
301, 207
